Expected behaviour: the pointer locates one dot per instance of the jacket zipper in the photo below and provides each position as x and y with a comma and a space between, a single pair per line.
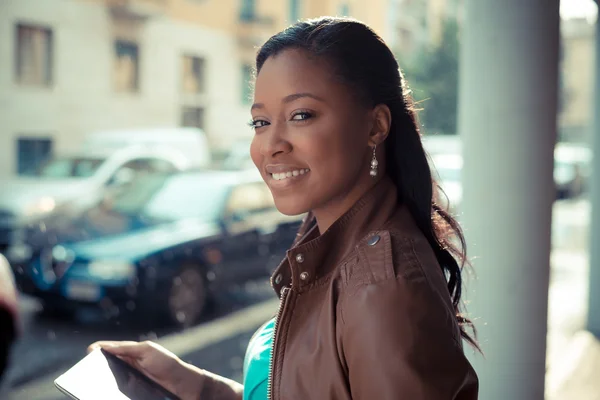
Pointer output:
270, 382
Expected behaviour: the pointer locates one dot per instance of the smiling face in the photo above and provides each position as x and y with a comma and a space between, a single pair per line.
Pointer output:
313, 136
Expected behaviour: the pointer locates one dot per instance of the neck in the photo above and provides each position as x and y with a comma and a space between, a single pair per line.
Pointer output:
331, 211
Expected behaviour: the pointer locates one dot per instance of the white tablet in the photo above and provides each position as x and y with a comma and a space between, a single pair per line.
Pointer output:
101, 375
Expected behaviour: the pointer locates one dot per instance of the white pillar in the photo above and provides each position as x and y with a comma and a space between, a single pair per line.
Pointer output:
593, 317
507, 119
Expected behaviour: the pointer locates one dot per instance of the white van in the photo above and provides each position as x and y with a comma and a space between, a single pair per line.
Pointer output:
191, 143
106, 159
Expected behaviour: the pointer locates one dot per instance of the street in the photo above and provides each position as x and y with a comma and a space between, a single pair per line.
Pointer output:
49, 346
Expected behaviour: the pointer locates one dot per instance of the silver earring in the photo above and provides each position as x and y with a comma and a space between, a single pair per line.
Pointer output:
374, 163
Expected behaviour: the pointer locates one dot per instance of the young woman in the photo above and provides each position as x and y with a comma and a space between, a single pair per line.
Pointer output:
370, 290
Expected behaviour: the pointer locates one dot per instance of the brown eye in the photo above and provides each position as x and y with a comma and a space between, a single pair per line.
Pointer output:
301, 116
259, 123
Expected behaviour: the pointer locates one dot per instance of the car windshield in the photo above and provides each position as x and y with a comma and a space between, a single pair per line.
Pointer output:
173, 198
68, 167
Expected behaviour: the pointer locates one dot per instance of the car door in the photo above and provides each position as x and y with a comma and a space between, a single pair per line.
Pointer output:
276, 231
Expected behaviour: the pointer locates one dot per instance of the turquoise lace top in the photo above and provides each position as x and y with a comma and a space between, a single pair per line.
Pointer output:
257, 363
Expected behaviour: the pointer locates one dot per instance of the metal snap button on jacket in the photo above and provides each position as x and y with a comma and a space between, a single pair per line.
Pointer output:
373, 240
278, 279
304, 276
300, 258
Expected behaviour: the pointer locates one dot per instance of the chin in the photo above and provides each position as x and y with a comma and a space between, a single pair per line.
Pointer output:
291, 206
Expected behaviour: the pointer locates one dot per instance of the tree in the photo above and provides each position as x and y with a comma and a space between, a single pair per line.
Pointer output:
433, 78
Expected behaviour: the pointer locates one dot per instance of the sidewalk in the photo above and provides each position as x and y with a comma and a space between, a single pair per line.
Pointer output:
207, 346
573, 355
580, 371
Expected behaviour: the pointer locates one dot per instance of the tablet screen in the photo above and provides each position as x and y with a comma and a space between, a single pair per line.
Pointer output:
101, 375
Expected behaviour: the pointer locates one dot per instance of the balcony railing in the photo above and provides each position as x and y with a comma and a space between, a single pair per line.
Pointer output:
253, 29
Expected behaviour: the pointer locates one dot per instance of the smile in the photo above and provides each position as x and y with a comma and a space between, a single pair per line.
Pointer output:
289, 174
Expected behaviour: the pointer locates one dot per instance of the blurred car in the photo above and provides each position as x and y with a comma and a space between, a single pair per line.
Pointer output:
160, 249
572, 163
106, 160
238, 157
572, 169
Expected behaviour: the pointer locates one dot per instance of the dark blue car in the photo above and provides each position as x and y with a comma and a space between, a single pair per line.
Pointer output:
159, 249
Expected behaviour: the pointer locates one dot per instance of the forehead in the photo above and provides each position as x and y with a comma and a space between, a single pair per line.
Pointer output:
293, 71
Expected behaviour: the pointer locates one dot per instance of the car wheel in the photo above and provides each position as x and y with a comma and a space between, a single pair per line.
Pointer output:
187, 296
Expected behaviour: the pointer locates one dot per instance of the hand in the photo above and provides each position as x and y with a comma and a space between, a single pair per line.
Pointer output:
158, 364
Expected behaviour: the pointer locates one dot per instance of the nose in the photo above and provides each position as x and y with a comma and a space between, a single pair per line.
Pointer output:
274, 143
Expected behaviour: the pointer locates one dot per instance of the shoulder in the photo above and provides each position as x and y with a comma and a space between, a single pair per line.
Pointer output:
391, 254
397, 276
399, 259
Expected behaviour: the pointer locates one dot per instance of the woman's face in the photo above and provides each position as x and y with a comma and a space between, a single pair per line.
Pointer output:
311, 143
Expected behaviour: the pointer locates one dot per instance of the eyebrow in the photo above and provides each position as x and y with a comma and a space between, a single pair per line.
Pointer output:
289, 99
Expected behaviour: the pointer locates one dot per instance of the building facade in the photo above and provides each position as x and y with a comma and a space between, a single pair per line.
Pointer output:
75, 66
577, 75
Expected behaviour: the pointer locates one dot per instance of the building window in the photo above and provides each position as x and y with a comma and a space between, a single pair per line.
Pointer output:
193, 74
406, 39
247, 10
246, 84
31, 153
294, 10
126, 66
345, 10
192, 117
33, 58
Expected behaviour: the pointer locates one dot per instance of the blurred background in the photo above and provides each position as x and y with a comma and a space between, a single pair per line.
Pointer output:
129, 206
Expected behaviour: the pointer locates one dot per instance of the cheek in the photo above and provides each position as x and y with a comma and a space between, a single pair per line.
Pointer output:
338, 152
255, 151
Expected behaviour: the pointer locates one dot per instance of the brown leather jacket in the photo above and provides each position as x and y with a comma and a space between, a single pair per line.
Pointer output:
365, 313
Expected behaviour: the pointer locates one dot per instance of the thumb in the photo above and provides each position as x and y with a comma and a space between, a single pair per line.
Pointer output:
125, 348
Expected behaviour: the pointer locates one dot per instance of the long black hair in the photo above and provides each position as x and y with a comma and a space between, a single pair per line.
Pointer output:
361, 59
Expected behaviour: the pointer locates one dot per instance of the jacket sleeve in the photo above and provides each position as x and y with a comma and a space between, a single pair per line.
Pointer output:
400, 342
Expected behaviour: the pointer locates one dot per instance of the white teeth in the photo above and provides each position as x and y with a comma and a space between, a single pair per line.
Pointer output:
284, 175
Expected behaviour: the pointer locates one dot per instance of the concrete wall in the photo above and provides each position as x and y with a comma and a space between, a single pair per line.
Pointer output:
577, 73
82, 97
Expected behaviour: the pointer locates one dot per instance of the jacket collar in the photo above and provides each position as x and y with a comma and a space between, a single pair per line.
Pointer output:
316, 255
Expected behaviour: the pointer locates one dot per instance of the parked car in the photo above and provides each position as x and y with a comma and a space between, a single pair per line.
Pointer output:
162, 247
238, 156
572, 162
572, 169
105, 160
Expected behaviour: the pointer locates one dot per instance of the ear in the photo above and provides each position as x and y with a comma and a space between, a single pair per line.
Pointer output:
381, 124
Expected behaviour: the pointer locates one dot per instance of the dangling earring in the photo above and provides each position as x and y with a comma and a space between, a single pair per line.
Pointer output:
374, 163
